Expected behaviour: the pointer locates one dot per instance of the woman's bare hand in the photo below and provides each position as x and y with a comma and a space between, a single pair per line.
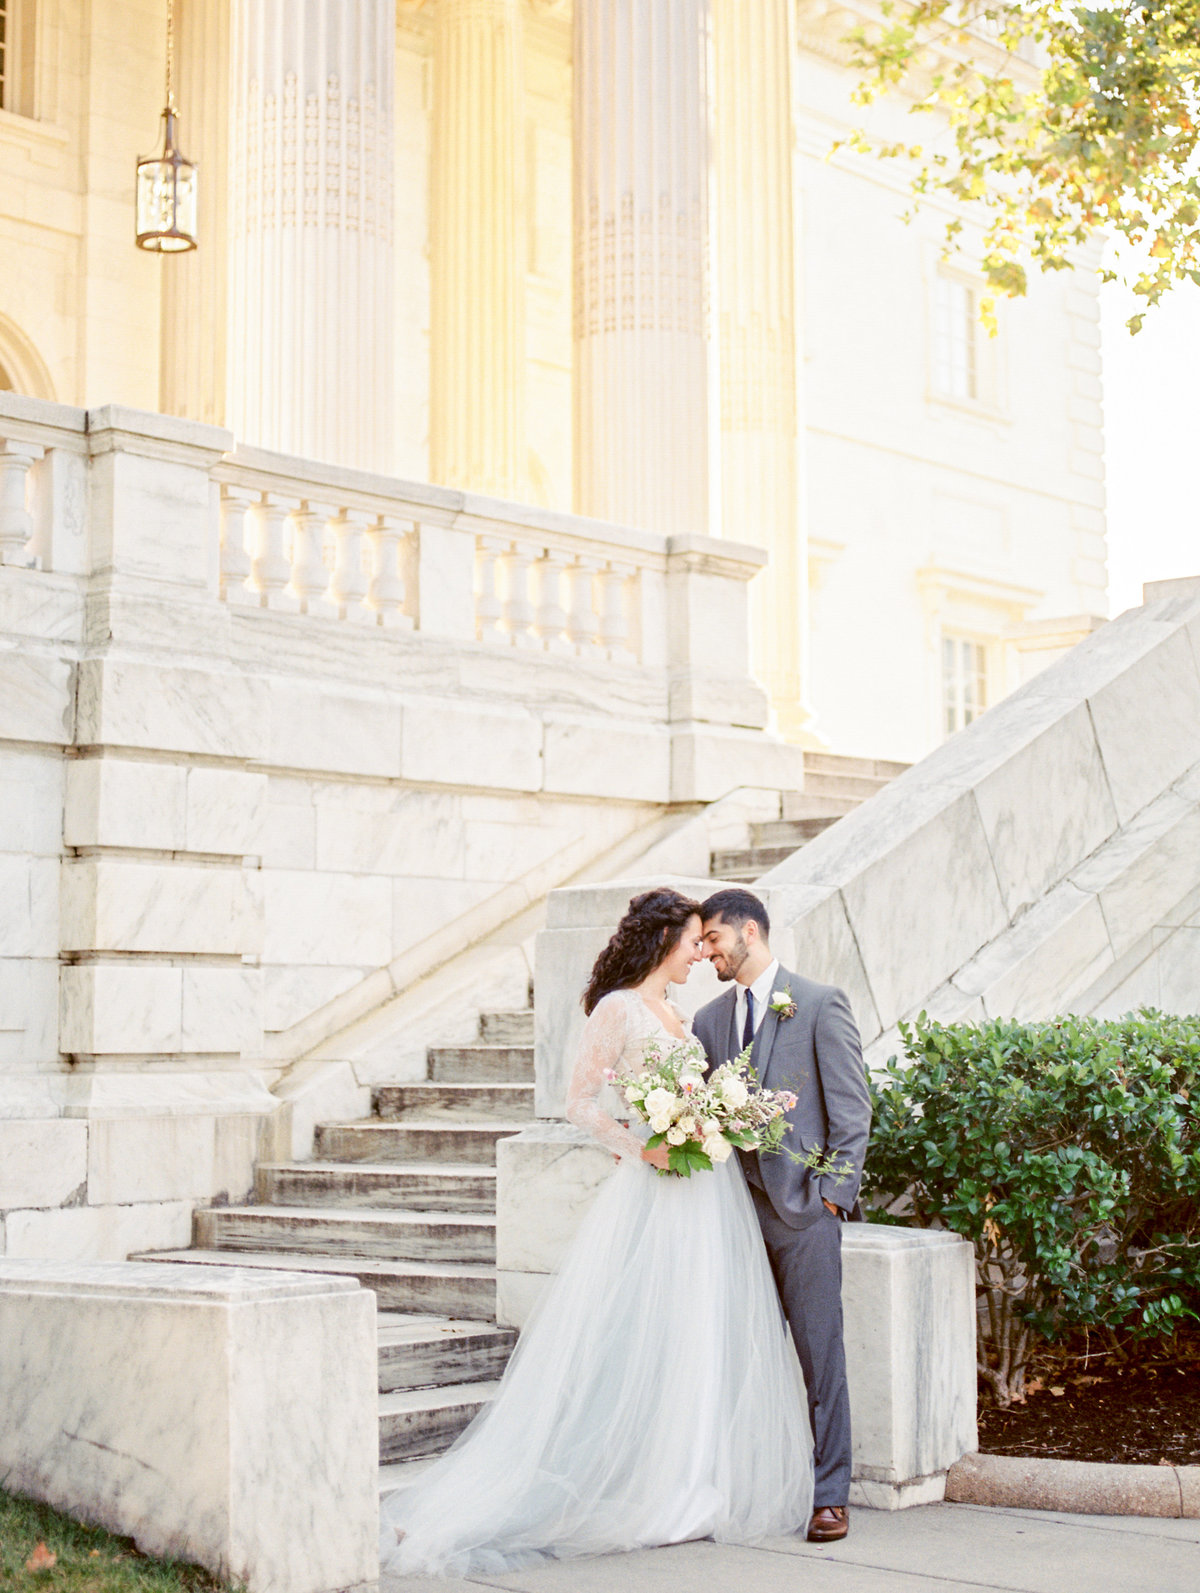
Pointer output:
659, 1157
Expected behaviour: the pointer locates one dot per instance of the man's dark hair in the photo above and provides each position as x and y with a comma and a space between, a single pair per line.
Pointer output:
735, 907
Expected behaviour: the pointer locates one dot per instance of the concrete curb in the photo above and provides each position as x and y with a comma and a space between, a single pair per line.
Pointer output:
1081, 1486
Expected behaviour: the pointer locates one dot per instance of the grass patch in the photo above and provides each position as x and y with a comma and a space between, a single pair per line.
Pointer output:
85, 1557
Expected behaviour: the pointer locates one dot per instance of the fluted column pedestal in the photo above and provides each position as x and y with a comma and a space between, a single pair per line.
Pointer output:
753, 48
311, 367
642, 452
477, 289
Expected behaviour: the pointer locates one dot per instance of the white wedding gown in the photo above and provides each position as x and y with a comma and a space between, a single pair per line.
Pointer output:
654, 1395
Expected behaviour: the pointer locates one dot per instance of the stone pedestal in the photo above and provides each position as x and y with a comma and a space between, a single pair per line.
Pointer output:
909, 1298
214, 1415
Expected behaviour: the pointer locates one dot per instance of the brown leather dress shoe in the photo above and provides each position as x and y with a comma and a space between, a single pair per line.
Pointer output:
828, 1524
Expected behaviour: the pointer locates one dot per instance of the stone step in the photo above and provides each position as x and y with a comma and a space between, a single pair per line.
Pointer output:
858, 786
425, 1352
787, 832
802, 805
481, 1064
447, 1288
375, 1235
487, 1102
432, 1187
837, 763
441, 1141
748, 864
507, 1028
415, 1422
395, 1474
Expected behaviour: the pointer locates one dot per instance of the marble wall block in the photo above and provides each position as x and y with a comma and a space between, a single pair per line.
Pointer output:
225, 811
220, 1416
546, 1178
221, 1009
98, 1233
37, 698
920, 910
28, 905
31, 802
403, 833
1142, 874
120, 1007
444, 562
450, 743
332, 920
42, 1162
909, 1302
165, 708
126, 904
1036, 967
707, 763
318, 724
145, 1159
1147, 723
125, 802
28, 1011
814, 937
600, 759
1034, 841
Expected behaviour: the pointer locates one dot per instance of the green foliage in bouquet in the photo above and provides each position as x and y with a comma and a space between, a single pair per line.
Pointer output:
1069, 1154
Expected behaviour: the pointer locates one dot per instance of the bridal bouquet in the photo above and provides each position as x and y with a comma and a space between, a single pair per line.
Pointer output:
702, 1121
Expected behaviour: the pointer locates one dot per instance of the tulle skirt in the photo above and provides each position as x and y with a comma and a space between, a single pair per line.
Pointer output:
653, 1397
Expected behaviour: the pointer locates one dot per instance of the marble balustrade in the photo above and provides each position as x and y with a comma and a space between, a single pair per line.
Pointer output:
215, 1415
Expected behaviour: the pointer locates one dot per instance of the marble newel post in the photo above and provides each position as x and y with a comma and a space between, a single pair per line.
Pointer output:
642, 452
477, 253
754, 47
311, 178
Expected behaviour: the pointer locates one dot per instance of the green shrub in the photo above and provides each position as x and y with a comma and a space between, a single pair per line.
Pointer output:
1069, 1154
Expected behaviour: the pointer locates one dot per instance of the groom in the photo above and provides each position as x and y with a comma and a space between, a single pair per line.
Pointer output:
806, 1041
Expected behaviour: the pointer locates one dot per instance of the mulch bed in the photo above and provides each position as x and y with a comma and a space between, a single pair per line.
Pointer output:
1091, 1406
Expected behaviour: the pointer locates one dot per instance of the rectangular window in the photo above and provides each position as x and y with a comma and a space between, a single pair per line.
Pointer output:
955, 333
964, 681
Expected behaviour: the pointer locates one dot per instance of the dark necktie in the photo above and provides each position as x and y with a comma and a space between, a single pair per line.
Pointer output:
748, 1031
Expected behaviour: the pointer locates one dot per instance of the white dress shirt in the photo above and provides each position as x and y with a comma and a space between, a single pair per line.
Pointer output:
762, 989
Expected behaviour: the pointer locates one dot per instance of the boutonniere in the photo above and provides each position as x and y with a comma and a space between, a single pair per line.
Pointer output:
781, 1003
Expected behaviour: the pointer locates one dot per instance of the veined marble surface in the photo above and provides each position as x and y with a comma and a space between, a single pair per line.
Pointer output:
215, 1414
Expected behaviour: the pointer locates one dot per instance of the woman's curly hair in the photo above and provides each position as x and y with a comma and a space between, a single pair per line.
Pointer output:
649, 931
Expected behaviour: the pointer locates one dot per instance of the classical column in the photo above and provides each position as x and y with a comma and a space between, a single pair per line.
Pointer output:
477, 253
310, 356
642, 453
756, 291
195, 285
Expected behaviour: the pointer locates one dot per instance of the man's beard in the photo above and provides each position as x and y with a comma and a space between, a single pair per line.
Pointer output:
732, 961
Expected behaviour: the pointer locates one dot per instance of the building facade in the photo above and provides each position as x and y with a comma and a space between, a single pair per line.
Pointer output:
593, 257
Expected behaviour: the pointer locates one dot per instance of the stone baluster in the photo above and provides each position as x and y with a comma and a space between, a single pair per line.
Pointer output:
519, 612
16, 522
236, 506
550, 619
614, 623
489, 610
270, 568
583, 623
642, 272
388, 596
348, 586
310, 573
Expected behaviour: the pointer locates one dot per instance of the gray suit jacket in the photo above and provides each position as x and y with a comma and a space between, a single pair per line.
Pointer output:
817, 1054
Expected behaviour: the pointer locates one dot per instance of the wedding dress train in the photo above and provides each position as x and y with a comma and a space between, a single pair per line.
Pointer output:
654, 1395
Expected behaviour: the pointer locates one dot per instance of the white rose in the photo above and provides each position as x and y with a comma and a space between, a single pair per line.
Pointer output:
676, 1136
660, 1125
633, 1095
717, 1148
688, 1125
709, 1126
734, 1093
660, 1103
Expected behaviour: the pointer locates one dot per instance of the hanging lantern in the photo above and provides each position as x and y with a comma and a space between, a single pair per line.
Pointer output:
166, 182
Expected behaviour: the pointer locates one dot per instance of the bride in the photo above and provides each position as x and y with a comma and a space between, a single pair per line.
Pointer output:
654, 1396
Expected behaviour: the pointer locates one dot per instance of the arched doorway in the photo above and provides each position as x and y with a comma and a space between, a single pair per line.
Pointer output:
22, 368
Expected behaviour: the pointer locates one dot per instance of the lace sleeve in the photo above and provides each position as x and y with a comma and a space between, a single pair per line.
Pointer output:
601, 1047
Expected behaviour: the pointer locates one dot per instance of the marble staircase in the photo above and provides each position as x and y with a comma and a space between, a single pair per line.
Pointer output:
405, 1201
833, 786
